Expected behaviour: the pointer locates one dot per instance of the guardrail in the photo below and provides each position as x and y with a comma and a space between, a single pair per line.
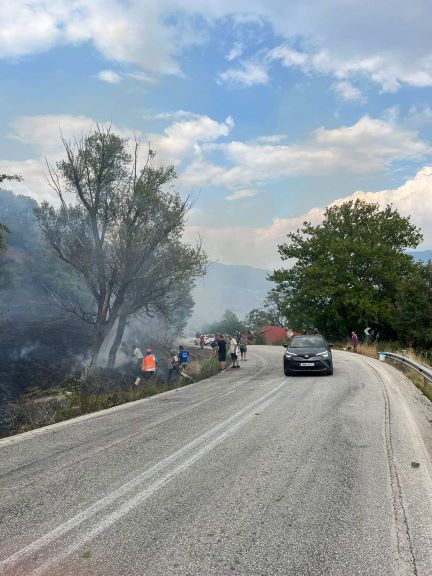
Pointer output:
424, 371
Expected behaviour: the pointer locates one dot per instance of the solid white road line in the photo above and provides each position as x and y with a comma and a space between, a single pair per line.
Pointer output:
203, 444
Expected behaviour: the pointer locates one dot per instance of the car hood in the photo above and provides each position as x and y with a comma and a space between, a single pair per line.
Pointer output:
307, 351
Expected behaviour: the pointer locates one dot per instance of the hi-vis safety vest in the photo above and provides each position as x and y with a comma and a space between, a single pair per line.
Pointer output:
149, 363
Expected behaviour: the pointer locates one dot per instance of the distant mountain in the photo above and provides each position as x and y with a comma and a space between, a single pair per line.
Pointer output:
421, 255
238, 288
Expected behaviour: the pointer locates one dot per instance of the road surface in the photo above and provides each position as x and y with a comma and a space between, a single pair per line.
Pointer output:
249, 472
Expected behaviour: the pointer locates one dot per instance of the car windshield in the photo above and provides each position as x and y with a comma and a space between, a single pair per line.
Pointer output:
307, 342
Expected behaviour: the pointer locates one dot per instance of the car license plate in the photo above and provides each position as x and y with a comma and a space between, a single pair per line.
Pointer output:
307, 364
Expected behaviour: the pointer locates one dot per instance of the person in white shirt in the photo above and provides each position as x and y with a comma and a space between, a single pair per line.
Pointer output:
138, 355
233, 348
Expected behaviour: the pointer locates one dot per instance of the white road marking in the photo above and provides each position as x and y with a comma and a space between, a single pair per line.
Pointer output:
208, 441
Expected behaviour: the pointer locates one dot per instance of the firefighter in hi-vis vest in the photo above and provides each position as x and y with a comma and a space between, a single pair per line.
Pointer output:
149, 362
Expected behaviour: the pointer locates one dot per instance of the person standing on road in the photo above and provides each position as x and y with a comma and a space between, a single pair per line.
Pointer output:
233, 351
243, 347
201, 341
221, 351
138, 355
149, 363
354, 341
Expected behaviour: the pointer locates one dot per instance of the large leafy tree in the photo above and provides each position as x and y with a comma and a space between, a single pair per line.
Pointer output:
347, 269
413, 303
124, 215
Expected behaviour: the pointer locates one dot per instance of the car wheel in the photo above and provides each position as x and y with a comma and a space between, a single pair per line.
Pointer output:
286, 371
330, 371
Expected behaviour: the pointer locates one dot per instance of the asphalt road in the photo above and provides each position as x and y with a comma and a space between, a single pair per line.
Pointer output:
249, 472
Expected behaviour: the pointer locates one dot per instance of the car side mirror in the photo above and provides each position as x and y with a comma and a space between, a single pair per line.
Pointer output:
285, 345
330, 345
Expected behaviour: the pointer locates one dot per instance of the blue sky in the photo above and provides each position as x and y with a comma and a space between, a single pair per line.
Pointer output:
270, 111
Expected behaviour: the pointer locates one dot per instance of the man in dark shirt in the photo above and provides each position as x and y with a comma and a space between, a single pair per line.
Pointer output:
221, 351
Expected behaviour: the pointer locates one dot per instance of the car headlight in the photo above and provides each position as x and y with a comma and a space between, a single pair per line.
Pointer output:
323, 354
289, 353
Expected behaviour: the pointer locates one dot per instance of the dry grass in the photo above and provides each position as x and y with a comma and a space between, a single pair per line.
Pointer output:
39, 408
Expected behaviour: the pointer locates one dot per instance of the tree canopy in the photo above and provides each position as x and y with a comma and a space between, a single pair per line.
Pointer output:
120, 232
348, 270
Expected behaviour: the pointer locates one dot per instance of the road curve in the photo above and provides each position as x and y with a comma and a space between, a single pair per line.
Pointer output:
248, 472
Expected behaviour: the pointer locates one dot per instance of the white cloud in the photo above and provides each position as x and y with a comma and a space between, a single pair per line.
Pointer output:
413, 198
247, 74
388, 42
258, 246
44, 133
368, 146
34, 184
349, 93
235, 52
290, 57
109, 76
241, 194
183, 139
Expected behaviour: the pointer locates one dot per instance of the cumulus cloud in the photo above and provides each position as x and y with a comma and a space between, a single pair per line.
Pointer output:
388, 43
369, 145
190, 141
183, 139
413, 198
180, 142
258, 246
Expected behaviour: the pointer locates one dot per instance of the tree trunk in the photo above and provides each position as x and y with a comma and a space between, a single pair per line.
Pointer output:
96, 346
122, 321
